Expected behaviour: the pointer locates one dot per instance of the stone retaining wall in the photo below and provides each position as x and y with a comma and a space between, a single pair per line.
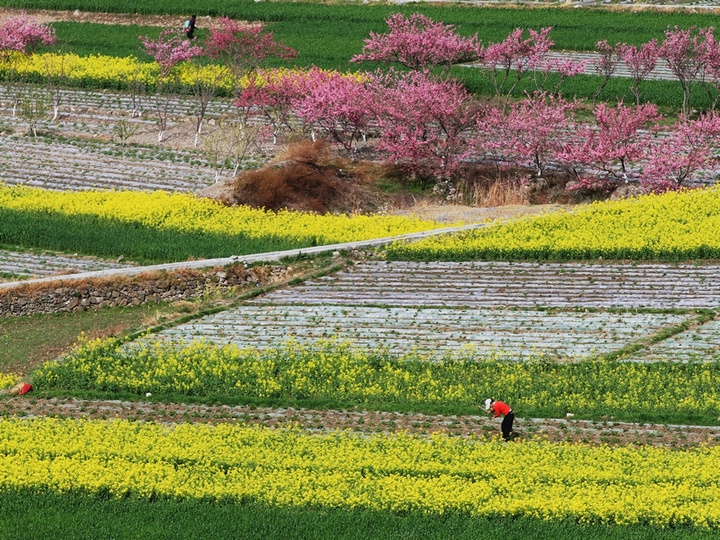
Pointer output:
136, 290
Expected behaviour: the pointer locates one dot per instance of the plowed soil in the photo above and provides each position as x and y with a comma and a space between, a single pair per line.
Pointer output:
479, 426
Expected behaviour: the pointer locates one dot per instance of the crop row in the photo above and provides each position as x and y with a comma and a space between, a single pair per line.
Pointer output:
97, 107
494, 284
671, 226
386, 473
430, 332
74, 165
338, 372
39, 264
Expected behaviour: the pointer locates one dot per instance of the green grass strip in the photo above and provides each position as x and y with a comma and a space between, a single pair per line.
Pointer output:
33, 515
573, 29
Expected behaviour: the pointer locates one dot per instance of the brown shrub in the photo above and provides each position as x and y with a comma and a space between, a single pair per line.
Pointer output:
307, 177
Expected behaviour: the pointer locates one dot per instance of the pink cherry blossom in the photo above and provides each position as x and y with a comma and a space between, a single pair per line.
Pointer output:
682, 50
640, 61
425, 124
532, 133
24, 34
507, 62
687, 149
338, 105
169, 49
619, 140
243, 47
418, 42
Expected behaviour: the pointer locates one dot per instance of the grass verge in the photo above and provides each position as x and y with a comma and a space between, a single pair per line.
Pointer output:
26, 342
75, 516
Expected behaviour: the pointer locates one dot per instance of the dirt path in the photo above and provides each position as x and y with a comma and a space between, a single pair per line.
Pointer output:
48, 16
452, 213
476, 426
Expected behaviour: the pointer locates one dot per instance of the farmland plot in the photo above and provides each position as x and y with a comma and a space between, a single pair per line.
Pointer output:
515, 284
83, 148
699, 344
101, 108
74, 165
29, 265
484, 308
432, 331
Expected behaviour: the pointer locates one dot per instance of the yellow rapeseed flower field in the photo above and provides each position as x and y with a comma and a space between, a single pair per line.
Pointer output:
188, 213
336, 370
675, 225
437, 474
104, 71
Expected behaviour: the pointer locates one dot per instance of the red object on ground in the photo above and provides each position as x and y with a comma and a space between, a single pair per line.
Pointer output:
26, 387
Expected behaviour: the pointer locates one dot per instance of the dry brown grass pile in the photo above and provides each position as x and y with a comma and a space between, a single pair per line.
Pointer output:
308, 178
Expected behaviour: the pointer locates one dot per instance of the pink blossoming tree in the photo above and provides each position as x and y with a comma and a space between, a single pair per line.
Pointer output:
425, 124
21, 35
640, 61
610, 150
532, 133
710, 51
682, 49
168, 50
339, 106
687, 149
418, 43
606, 65
273, 98
243, 47
506, 63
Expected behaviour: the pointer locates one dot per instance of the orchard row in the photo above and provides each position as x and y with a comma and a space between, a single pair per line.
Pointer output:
427, 122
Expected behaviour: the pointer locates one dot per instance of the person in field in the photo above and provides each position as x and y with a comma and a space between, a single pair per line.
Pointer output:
189, 27
498, 408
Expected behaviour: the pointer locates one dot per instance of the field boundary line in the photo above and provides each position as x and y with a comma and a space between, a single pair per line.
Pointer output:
234, 259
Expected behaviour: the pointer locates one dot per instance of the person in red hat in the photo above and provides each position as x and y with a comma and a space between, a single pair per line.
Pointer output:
498, 408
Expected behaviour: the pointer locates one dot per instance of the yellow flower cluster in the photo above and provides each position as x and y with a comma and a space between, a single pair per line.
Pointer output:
439, 474
109, 71
8, 379
188, 213
328, 368
676, 225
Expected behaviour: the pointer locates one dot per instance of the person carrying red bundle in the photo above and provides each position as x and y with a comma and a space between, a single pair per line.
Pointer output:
498, 408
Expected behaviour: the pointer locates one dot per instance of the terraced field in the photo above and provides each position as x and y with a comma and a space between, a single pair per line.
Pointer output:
25, 264
566, 311
81, 149
517, 284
